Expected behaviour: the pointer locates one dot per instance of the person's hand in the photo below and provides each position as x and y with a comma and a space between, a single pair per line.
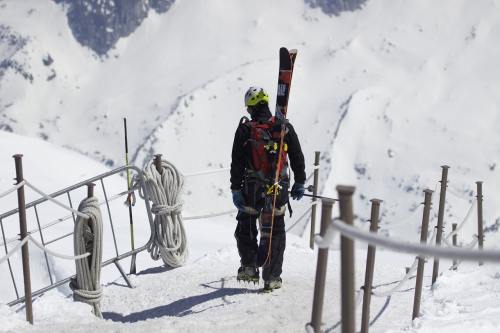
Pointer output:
297, 191
238, 200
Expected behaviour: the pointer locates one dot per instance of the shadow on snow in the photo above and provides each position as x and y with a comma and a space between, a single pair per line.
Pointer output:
182, 307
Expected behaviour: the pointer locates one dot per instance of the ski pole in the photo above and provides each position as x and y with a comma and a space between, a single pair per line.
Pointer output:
129, 199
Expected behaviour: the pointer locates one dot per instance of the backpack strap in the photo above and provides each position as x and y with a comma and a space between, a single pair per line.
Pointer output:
243, 120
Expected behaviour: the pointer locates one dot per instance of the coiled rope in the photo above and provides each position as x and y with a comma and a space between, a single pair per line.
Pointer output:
169, 236
88, 238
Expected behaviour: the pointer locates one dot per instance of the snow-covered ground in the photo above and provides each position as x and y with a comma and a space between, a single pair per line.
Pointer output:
204, 295
387, 94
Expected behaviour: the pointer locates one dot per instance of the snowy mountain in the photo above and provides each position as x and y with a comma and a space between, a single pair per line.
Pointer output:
387, 91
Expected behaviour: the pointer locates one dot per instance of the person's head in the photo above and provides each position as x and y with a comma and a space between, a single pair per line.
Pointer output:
255, 97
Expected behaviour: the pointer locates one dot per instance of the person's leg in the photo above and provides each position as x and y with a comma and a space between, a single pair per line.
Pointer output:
272, 272
273, 269
246, 238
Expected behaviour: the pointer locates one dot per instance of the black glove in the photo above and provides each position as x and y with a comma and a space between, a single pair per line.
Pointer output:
238, 200
297, 191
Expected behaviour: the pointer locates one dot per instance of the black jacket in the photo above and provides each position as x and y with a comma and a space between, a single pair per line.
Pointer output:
241, 153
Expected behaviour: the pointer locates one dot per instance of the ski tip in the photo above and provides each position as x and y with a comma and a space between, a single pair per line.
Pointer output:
291, 51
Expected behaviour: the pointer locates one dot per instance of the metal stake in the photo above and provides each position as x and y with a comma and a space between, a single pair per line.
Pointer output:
158, 163
370, 265
454, 239
18, 158
421, 260
319, 286
315, 193
480, 231
90, 190
439, 231
347, 261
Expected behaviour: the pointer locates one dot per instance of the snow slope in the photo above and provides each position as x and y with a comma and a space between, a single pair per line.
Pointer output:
388, 94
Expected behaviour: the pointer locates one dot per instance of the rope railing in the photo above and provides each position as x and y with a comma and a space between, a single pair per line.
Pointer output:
469, 246
228, 212
304, 214
57, 254
464, 221
60, 204
458, 195
12, 189
30, 236
205, 172
419, 249
67, 217
400, 283
344, 225
448, 244
407, 276
405, 219
41, 247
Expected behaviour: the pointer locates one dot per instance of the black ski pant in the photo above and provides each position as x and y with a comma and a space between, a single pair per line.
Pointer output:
246, 232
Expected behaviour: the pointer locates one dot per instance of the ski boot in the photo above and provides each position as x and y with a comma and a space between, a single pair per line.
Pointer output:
274, 283
248, 274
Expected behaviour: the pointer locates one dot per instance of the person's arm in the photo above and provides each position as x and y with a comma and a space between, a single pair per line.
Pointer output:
296, 156
238, 157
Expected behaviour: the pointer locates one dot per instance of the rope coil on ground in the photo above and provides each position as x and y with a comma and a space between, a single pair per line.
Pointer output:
168, 235
88, 238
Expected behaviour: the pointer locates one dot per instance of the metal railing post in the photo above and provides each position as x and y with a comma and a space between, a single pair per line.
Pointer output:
319, 286
90, 190
315, 193
347, 261
454, 239
157, 162
18, 158
370, 264
439, 231
421, 260
480, 231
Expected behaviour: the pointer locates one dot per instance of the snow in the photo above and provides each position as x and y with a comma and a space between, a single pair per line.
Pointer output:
387, 94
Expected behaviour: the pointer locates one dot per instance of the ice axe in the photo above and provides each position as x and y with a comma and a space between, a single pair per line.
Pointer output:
133, 269
310, 188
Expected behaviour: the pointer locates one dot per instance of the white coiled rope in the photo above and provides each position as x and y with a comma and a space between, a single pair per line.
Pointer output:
169, 236
88, 238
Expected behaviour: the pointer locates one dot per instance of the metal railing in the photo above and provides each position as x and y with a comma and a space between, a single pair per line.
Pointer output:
423, 250
66, 193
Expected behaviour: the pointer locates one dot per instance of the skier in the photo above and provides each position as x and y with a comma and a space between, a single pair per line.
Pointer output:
253, 168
